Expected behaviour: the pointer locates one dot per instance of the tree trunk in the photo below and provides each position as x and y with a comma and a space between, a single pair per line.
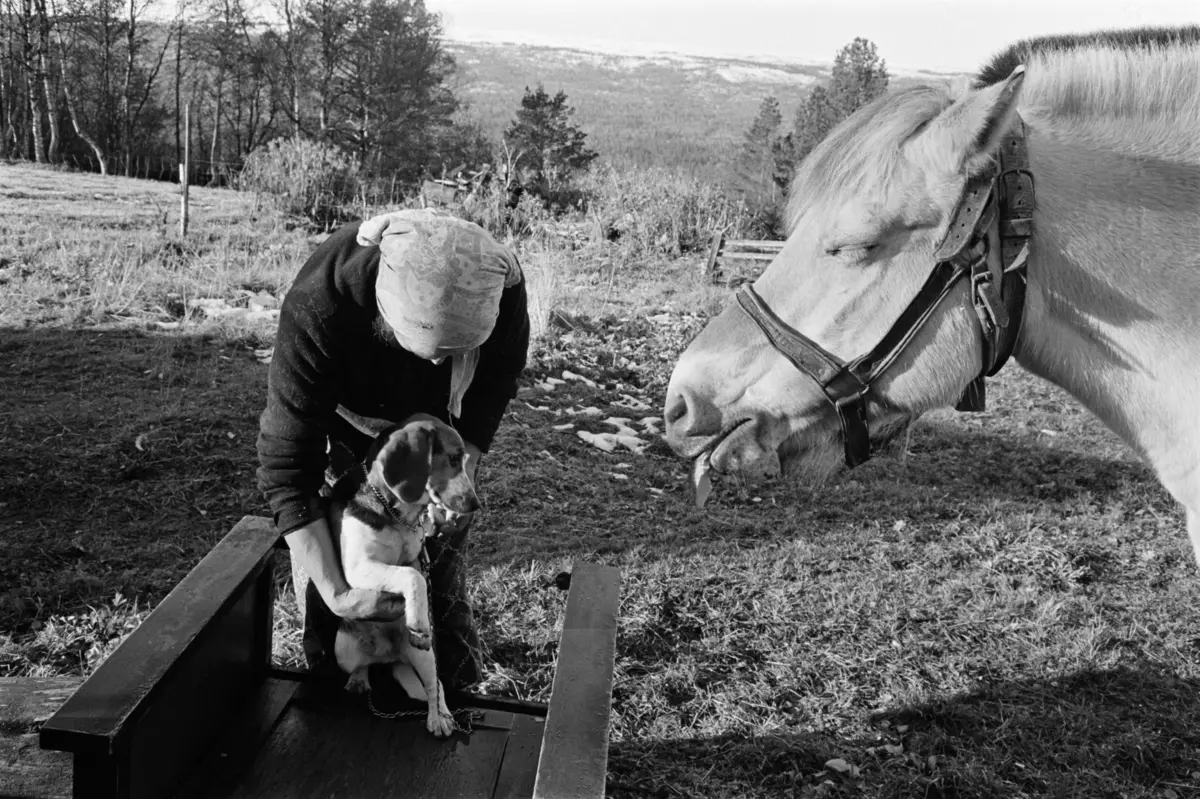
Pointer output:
45, 66
104, 122
216, 131
127, 89
80, 131
33, 81
52, 149
292, 68
178, 81
5, 104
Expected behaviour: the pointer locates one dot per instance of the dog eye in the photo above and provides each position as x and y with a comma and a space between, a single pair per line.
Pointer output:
456, 461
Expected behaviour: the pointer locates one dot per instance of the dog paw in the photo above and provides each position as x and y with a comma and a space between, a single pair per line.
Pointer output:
420, 638
357, 684
439, 724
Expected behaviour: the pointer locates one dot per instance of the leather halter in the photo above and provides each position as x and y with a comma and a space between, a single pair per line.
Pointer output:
1004, 189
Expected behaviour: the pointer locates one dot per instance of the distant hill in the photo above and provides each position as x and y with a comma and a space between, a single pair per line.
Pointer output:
666, 110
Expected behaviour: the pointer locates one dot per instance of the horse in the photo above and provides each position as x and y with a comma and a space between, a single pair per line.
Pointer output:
1047, 209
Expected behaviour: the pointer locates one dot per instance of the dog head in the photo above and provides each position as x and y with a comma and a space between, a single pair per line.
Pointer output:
422, 462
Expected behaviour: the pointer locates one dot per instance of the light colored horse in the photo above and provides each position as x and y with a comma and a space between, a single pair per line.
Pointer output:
1112, 312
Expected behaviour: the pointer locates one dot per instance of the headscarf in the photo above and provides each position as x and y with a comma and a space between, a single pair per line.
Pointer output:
438, 287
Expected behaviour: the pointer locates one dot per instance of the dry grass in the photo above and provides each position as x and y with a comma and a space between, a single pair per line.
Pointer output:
1008, 609
82, 249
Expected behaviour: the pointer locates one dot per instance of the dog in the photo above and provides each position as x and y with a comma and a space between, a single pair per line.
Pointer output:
380, 533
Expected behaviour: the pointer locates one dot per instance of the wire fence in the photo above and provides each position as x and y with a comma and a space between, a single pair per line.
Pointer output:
375, 190
148, 167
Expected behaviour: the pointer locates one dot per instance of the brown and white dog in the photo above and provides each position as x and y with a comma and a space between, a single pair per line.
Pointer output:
380, 533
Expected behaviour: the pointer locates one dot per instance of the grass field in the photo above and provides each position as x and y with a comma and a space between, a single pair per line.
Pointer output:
1005, 606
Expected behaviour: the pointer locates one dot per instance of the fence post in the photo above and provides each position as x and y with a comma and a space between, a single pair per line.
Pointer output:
710, 266
184, 168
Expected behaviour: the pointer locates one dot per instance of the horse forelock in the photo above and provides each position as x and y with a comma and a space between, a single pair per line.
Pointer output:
861, 155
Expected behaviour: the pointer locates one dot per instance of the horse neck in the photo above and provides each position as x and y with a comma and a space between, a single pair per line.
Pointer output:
1114, 283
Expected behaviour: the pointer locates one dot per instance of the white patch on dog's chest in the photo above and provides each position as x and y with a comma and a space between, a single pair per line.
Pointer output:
397, 546
392, 545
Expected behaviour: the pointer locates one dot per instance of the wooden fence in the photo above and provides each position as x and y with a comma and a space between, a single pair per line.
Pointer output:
751, 255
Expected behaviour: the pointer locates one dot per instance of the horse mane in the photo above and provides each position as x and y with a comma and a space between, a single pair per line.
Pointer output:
1115, 74
1021, 52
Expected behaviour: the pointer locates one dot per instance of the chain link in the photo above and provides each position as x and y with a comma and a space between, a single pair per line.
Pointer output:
470, 716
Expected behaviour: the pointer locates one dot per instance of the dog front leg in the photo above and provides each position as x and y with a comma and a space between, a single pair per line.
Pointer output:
403, 580
438, 719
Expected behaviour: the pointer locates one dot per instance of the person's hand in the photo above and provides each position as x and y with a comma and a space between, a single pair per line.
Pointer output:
363, 604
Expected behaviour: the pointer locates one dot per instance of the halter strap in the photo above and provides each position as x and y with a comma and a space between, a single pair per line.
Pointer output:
998, 297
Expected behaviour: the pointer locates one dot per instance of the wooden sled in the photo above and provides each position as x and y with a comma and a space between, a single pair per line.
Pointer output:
189, 706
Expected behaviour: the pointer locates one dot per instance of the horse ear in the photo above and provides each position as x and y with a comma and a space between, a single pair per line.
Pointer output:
964, 136
404, 463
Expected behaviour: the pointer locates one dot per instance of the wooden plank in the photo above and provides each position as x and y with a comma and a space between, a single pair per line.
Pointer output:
519, 768
750, 256
26, 702
140, 721
30, 772
574, 758
456, 699
328, 744
218, 772
26, 770
762, 244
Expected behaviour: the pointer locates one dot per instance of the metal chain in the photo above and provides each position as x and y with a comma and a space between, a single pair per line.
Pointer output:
469, 715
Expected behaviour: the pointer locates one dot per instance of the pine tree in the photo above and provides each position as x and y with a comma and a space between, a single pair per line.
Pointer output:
756, 162
549, 148
859, 76
815, 117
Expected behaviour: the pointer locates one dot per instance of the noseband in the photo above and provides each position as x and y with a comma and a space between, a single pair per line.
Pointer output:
1004, 189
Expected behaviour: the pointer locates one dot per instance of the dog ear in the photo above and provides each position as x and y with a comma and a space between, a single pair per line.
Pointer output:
405, 462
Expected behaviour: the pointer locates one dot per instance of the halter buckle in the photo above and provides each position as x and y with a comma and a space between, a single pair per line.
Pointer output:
989, 306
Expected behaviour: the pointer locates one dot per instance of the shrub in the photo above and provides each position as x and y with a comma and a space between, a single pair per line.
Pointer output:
492, 208
306, 178
656, 211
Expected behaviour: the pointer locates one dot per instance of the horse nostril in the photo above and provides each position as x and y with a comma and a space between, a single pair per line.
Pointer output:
677, 409
690, 414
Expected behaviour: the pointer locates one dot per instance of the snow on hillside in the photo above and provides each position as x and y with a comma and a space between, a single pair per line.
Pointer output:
765, 69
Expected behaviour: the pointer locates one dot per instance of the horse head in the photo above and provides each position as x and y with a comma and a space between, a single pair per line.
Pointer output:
867, 210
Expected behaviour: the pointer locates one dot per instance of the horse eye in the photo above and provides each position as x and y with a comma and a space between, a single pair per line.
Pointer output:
852, 249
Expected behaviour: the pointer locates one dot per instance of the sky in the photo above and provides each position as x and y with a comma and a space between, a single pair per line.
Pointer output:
950, 35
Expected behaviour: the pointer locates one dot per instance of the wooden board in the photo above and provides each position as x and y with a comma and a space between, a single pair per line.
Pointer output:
519, 769
29, 772
327, 744
171, 688
26, 702
26, 770
574, 759
219, 771
749, 256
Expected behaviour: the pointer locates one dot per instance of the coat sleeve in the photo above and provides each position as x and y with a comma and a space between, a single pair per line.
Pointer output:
501, 361
300, 392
